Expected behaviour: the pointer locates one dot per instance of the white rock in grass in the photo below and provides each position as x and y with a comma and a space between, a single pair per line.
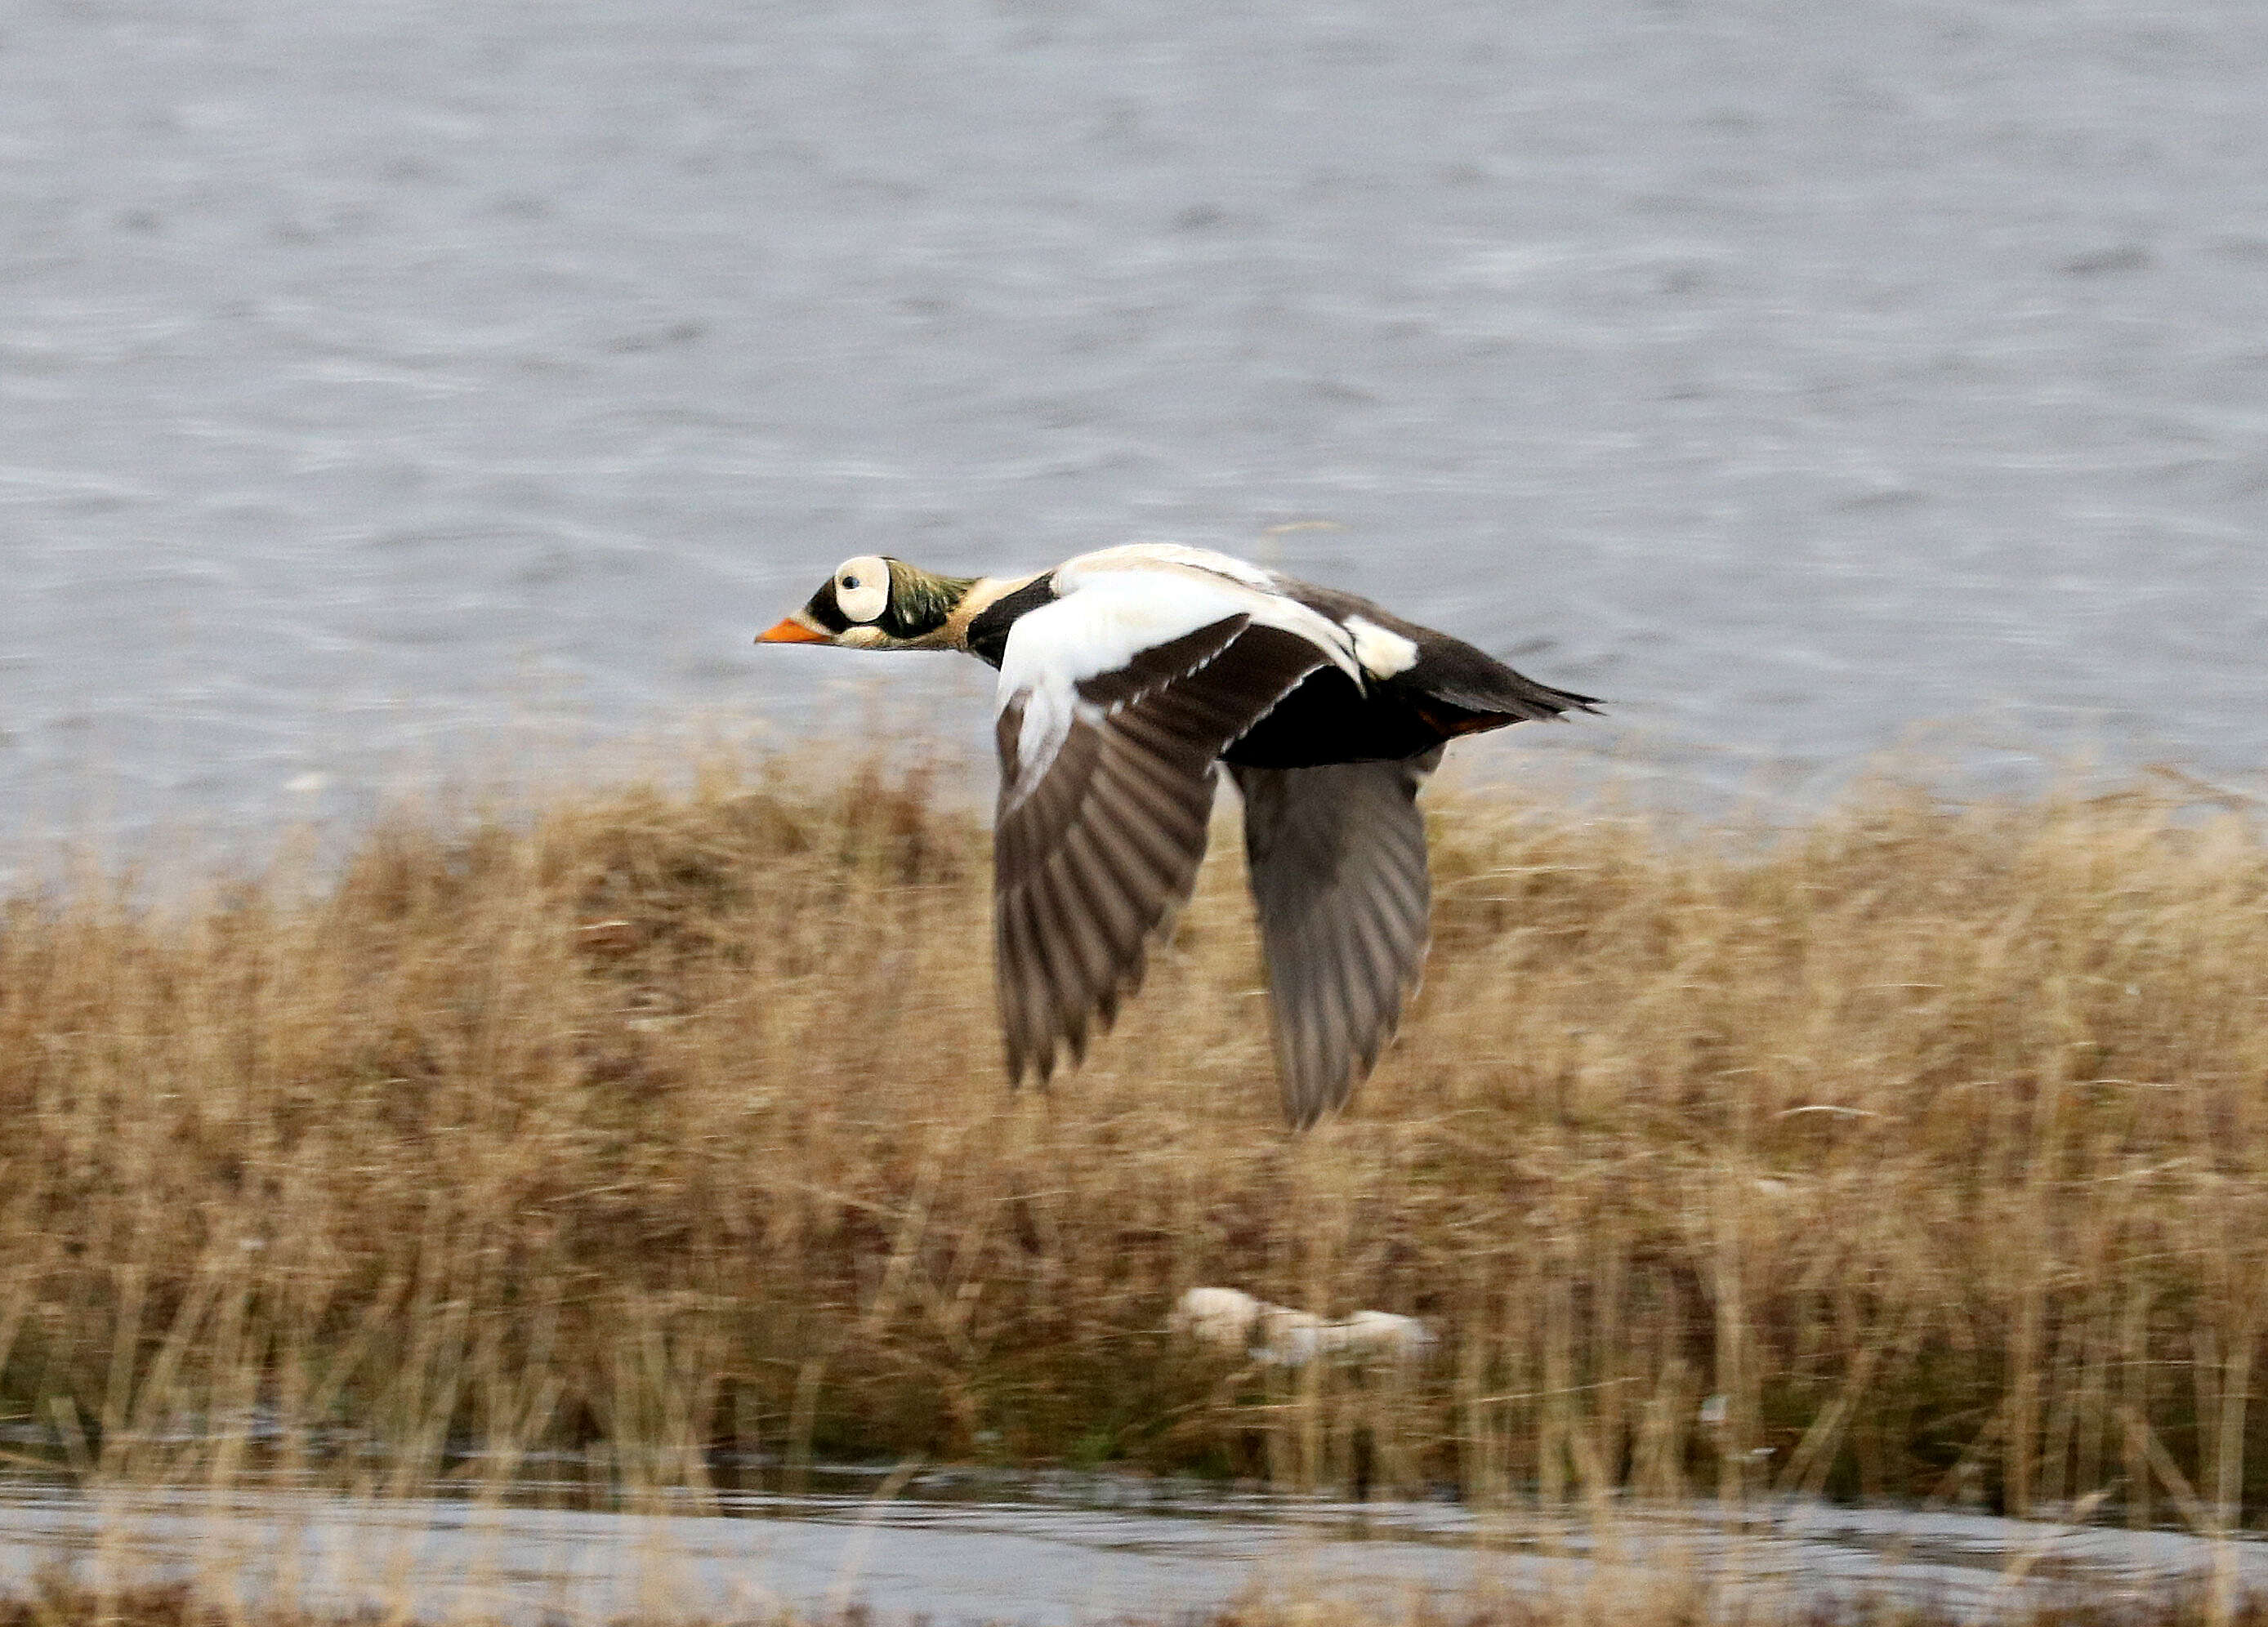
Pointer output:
1289, 1337
1225, 1318
1229, 1319
1294, 1338
1380, 1335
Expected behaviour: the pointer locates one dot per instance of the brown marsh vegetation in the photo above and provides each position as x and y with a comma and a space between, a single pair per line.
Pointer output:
1917, 1153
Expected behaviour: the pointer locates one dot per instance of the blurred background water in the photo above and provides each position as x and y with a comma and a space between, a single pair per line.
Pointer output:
376, 378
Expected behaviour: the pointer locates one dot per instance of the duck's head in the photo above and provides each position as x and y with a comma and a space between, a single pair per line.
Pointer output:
874, 603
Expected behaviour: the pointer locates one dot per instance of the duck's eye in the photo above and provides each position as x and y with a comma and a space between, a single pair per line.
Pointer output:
862, 589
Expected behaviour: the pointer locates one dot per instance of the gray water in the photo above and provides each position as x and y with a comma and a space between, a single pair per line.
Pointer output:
382, 382
1078, 1549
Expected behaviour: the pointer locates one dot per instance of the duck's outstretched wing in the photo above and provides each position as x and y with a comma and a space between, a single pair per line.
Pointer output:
1337, 856
1115, 706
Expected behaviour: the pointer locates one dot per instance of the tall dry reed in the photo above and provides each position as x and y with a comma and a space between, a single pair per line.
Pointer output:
1916, 1153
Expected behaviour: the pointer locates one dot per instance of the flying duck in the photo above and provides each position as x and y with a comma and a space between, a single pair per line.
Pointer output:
1127, 676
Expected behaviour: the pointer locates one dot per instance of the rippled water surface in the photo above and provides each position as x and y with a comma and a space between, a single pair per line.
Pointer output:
957, 1548
376, 381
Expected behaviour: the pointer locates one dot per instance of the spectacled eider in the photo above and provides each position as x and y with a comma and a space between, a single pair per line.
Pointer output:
1126, 676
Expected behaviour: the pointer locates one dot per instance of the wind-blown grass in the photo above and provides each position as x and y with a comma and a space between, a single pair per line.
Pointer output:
669, 1123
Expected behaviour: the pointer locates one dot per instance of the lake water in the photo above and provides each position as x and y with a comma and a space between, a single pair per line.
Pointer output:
380, 383
968, 1547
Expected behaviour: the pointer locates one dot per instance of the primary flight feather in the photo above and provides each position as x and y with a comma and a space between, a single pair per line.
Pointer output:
1127, 678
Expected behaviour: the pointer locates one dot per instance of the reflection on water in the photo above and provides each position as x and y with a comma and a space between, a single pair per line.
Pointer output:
966, 1546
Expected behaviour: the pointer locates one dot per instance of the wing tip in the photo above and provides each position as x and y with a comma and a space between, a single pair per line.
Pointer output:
1038, 1057
1305, 1108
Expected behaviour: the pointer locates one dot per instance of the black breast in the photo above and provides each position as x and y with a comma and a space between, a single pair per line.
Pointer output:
988, 629
1327, 720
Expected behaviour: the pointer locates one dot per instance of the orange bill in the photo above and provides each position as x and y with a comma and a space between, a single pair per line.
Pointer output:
791, 631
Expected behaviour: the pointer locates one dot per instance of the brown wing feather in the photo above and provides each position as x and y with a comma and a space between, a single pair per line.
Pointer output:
1090, 861
1337, 856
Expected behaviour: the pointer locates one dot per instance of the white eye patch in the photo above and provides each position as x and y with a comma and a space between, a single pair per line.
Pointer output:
862, 587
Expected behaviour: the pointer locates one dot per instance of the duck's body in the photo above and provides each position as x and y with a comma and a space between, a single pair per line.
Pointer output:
1126, 676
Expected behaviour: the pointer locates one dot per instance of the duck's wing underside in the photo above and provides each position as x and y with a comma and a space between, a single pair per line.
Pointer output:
1337, 856
1106, 783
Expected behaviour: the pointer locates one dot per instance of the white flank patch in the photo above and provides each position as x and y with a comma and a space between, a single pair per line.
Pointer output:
1381, 652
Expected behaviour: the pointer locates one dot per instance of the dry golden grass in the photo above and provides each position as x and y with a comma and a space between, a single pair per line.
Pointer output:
1932, 1139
